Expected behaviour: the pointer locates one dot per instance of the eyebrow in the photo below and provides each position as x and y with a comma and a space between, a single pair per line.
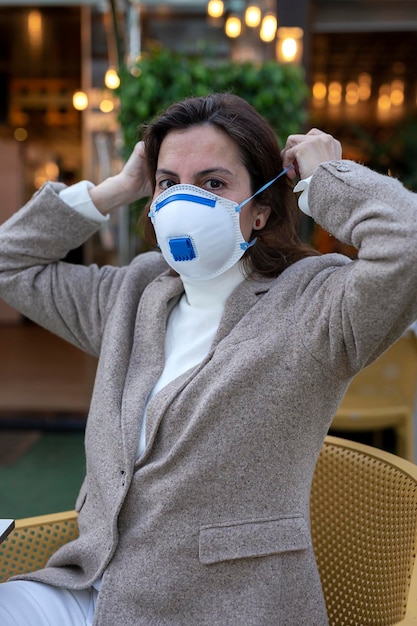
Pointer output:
167, 172
210, 170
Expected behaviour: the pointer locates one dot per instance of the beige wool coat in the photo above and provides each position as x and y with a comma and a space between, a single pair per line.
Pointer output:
210, 526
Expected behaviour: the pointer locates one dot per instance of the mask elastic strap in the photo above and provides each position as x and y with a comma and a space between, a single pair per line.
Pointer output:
271, 182
247, 244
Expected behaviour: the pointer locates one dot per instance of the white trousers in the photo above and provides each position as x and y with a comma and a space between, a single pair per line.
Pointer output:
27, 603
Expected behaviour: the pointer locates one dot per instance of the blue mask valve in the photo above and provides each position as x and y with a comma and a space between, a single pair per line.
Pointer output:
182, 249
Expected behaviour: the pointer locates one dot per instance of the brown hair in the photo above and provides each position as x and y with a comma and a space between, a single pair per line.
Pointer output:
278, 244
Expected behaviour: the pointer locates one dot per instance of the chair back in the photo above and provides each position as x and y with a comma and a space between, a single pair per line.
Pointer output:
393, 373
34, 540
364, 529
383, 395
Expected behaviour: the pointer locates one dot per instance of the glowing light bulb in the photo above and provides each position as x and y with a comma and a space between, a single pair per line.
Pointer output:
365, 83
268, 27
319, 90
253, 16
289, 49
335, 93
215, 8
111, 79
106, 106
233, 26
80, 100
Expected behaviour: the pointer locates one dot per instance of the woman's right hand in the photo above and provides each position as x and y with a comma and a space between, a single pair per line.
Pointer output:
130, 184
133, 178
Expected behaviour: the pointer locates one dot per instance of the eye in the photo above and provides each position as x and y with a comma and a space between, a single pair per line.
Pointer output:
166, 183
214, 184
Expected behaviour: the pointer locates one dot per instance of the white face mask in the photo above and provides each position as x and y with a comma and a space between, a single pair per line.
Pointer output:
198, 232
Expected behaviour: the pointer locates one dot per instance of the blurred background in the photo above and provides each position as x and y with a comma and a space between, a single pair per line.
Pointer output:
79, 78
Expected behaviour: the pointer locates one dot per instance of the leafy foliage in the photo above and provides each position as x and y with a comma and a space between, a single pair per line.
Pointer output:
162, 77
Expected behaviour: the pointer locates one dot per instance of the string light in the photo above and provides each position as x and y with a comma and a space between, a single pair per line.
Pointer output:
319, 90
352, 93
233, 26
111, 79
253, 16
365, 84
268, 27
335, 92
397, 92
215, 8
106, 105
80, 100
289, 47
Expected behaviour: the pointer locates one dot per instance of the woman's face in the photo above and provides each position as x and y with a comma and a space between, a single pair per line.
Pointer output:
206, 157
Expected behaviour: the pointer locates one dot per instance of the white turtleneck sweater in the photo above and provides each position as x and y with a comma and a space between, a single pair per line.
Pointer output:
191, 327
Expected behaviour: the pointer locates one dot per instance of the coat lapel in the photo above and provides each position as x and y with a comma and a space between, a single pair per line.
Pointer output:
244, 297
238, 304
148, 354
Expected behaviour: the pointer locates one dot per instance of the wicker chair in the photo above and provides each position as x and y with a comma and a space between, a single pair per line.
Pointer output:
34, 540
364, 528
383, 396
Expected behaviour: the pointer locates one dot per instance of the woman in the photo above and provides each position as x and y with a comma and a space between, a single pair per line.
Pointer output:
222, 363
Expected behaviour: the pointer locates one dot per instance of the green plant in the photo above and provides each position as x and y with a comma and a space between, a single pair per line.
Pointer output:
161, 77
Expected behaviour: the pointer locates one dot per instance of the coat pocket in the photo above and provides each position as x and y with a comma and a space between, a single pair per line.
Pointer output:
249, 539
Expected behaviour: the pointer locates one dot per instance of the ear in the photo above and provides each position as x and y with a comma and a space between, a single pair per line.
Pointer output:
260, 216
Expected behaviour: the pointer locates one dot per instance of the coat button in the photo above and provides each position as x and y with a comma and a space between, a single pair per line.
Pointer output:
340, 166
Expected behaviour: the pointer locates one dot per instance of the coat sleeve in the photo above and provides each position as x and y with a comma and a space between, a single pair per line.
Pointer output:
357, 310
72, 301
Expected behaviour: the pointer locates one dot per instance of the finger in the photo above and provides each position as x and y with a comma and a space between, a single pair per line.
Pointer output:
288, 159
139, 149
316, 131
294, 140
293, 172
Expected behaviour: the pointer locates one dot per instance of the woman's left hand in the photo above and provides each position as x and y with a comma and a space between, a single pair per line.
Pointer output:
306, 152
